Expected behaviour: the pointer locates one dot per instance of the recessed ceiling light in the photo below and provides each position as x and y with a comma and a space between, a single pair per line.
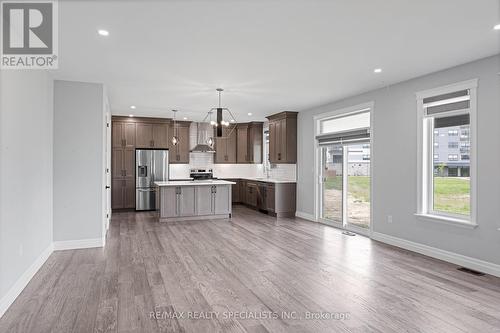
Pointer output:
131, 115
377, 70
496, 27
133, 107
103, 32
185, 118
249, 113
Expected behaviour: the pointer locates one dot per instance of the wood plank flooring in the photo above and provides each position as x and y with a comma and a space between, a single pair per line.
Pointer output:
250, 274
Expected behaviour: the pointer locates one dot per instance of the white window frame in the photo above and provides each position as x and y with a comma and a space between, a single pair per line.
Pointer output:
340, 113
425, 157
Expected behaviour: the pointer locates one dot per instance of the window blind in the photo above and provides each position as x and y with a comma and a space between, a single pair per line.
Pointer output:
344, 137
458, 100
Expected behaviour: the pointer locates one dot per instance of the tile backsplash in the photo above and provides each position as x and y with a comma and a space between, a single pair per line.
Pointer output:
206, 161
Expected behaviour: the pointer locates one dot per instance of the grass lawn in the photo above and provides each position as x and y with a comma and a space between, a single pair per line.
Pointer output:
359, 186
451, 194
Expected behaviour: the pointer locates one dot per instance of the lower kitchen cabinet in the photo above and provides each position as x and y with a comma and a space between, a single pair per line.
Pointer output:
222, 199
191, 202
277, 199
186, 201
204, 204
252, 194
270, 198
123, 193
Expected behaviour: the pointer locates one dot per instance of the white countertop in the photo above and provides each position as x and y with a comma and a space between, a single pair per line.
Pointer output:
267, 180
194, 182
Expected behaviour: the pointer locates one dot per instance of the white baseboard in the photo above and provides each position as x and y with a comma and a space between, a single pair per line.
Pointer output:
78, 244
457, 259
24, 279
305, 216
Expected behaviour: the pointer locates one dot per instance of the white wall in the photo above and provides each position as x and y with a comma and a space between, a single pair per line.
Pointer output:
394, 157
26, 123
78, 161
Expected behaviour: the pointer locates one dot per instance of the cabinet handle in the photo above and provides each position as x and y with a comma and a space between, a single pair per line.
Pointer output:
152, 143
279, 156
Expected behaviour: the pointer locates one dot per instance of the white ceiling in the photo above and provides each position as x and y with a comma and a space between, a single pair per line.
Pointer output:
268, 55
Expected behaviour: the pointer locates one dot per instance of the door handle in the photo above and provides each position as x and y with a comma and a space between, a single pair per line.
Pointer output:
107, 187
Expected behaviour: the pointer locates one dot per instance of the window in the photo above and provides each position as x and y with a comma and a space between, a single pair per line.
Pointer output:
340, 124
446, 186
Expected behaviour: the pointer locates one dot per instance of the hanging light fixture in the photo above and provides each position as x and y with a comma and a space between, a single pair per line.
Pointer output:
175, 137
220, 121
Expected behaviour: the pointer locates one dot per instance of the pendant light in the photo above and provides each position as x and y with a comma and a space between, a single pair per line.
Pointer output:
175, 137
219, 122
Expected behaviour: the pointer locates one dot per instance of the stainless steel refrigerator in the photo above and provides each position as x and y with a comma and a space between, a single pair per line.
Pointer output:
151, 166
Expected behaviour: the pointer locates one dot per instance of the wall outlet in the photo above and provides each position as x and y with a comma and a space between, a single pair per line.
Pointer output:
389, 218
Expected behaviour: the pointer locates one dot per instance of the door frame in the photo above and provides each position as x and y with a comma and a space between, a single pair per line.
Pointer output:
106, 194
318, 174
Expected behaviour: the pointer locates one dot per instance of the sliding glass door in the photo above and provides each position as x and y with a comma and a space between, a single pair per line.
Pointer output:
358, 186
345, 185
332, 183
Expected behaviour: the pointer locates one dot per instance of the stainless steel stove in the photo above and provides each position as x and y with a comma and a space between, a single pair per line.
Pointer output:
201, 174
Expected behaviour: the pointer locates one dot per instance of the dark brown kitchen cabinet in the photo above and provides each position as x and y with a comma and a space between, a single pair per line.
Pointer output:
123, 162
123, 135
283, 137
242, 187
152, 135
144, 135
270, 198
179, 154
160, 136
127, 134
249, 142
235, 191
123, 193
225, 146
252, 194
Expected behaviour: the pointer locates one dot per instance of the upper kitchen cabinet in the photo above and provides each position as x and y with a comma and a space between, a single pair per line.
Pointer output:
225, 147
179, 154
123, 134
249, 142
152, 135
283, 137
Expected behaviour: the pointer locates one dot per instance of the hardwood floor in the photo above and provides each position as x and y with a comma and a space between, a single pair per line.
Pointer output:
248, 274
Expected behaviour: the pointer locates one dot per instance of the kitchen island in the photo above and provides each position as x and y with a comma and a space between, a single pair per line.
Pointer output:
194, 200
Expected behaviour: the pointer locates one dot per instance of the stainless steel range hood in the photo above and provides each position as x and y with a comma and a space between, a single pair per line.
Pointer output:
202, 138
